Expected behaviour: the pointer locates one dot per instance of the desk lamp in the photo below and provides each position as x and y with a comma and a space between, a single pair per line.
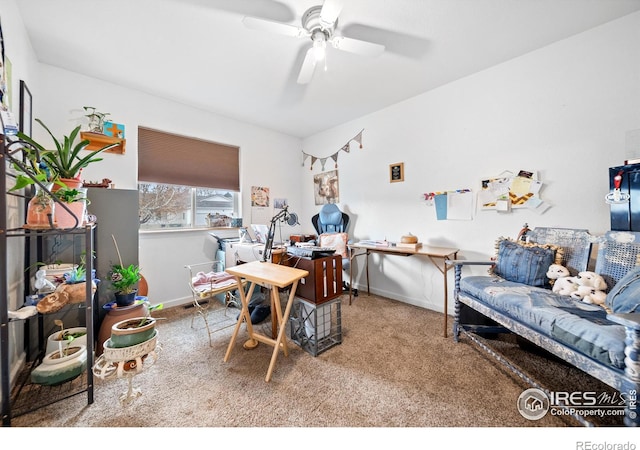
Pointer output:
284, 216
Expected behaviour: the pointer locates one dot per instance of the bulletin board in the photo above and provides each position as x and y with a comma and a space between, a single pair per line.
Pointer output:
511, 191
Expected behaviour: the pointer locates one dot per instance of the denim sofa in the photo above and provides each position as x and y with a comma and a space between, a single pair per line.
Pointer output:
517, 297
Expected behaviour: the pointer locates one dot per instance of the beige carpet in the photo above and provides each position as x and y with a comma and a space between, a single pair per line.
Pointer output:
393, 369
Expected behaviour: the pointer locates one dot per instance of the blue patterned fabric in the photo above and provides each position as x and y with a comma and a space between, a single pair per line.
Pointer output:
578, 325
526, 264
624, 297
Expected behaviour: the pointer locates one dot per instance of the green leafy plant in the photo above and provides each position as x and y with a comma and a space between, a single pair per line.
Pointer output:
123, 278
79, 273
32, 169
70, 195
65, 160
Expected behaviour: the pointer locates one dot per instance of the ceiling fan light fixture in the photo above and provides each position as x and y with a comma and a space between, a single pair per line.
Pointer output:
319, 46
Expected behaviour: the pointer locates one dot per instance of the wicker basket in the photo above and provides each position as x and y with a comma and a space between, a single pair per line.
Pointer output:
129, 353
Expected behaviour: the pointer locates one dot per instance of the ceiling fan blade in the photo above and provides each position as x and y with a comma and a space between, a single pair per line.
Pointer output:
274, 27
330, 11
308, 67
357, 46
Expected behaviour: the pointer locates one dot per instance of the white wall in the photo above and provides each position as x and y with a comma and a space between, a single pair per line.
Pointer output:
562, 111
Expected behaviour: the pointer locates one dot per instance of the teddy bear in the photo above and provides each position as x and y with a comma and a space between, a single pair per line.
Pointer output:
561, 280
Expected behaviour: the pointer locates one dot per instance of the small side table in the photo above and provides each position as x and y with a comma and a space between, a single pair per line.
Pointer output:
274, 276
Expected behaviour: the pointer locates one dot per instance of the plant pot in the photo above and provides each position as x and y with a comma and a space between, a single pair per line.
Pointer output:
40, 209
114, 316
64, 219
54, 339
132, 331
125, 299
55, 370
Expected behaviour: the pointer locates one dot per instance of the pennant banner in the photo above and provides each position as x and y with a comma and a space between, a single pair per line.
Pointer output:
345, 148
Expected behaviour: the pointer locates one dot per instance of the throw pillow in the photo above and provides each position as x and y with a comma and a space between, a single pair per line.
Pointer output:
624, 297
526, 263
335, 240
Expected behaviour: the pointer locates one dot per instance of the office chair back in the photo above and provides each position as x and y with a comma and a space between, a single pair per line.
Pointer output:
330, 220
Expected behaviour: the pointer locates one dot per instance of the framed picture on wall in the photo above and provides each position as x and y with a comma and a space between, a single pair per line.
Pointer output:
326, 188
396, 172
26, 115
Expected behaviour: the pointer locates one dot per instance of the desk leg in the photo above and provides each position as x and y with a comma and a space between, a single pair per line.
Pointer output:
444, 270
351, 256
446, 295
367, 269
281, 340
244, 316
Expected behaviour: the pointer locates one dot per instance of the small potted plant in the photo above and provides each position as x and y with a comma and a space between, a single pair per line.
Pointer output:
33, 171
62, 362
74, 284
124, 280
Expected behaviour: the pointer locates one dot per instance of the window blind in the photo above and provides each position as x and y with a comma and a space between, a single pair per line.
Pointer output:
174, 159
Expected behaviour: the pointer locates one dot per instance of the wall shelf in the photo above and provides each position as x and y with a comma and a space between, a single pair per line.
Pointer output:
98, 141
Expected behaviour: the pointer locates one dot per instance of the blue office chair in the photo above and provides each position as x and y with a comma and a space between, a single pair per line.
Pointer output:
330, 220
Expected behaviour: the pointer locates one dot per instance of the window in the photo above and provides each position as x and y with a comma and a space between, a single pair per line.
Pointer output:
174, 206
185, 182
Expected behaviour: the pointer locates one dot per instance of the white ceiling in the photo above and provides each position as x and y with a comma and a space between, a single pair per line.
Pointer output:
199, 53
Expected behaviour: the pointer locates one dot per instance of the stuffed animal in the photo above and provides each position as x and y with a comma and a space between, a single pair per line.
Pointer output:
556, 271
560, 278
593, 287
581, 292
596, 297
593, 280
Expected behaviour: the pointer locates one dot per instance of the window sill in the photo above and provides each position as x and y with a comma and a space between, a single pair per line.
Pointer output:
183, 230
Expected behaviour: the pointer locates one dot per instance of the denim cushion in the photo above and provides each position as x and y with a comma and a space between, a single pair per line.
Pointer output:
524, 263
579, 325
624, 297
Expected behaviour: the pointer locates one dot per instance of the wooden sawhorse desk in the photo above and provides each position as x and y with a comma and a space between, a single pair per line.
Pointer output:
433, 253
275, 276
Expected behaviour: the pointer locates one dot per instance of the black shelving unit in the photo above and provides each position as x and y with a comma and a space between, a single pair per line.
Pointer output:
22, 396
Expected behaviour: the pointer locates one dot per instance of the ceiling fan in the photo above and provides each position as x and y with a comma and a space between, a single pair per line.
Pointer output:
319, 24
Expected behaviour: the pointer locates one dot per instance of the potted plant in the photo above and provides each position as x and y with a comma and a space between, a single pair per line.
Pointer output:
72, 213
96, 119
132, 331
65, 162
62, 362
32, 171
74, 284
77, 335
124, 280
